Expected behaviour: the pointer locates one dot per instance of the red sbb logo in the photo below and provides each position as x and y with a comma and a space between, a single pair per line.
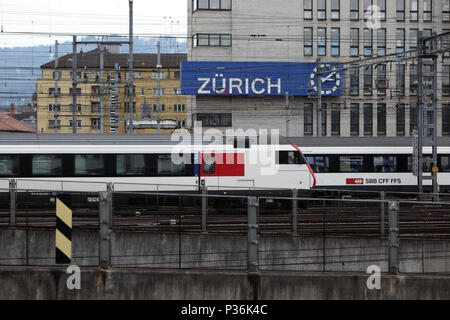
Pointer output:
355, 181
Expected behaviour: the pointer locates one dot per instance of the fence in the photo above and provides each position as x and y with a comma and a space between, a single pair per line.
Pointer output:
251, 233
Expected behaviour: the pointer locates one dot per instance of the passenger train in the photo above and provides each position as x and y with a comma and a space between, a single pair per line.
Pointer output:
372, 163
146, 163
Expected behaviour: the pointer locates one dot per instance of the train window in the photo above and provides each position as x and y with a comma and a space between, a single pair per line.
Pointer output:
209, 164
47, 165
445, 164
167, 166
291, 157
89, 164
130, 164
385, 163
9, 165
427, 163
351, 164
319, 164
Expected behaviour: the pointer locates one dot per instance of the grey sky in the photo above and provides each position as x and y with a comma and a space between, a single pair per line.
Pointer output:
166, 17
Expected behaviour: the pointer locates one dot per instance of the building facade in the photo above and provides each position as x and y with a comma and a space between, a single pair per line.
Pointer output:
54, 107
374, 101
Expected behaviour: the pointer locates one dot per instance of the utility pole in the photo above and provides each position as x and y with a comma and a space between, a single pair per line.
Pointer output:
102, 104
74, 86
158, 66
319, 98
287, 114
55, 110
131, 71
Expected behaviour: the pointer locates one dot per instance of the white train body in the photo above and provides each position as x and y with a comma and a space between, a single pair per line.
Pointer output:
144, 163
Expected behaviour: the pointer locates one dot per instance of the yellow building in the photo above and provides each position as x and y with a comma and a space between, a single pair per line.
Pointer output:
54, 112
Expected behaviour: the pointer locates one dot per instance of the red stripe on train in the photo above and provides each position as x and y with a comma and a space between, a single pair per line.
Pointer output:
309, 168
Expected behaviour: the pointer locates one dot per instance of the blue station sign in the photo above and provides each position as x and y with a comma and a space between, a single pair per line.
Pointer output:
256, 79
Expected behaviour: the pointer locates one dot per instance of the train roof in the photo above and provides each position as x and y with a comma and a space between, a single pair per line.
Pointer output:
165, 139
323, 142
105, 139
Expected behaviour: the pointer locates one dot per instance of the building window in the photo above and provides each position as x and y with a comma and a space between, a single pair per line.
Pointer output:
335, 9
427, 32
308, 119
162, 92
142, 92
146, 110
335, 42
161, 75
354, 119
56, 75
413, 79
71, 107
446, 10
212, 40
414, 10
368, 81
354, 42
382, 12
413, 37
163, 108
368, 40
401, 119
215, 119
354, 82
78, 91
95, 123
95, 106
427, 10
54, 108
335, 119
400, 10
381, 79
54, 123
381, 38
354, 10
181, 123
321, 41
177, 91
368, 9
78, 75
381, 119
127, 108
308, 41
368, 119
179, 108
446, 119
211, 5
51, 91
401, 81
307, 9
321, 9
400, 40
78, 123
446, 80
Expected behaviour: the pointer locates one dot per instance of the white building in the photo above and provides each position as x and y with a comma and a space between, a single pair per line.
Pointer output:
374, 102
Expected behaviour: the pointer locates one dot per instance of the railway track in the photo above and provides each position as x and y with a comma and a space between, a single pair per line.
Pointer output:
433, 221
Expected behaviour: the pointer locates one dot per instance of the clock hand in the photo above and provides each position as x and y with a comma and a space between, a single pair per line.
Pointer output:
328, 77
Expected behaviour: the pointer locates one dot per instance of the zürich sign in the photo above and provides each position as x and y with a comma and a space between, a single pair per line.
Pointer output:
256, 78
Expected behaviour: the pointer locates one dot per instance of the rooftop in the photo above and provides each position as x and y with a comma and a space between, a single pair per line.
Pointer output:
91, 60
9, 124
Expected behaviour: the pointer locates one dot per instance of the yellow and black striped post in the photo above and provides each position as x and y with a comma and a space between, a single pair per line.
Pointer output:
63, 233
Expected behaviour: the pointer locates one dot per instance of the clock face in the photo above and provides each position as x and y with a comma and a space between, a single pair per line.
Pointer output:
331, 81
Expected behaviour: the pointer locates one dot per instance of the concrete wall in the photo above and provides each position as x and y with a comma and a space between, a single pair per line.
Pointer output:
50, 283
154, 250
